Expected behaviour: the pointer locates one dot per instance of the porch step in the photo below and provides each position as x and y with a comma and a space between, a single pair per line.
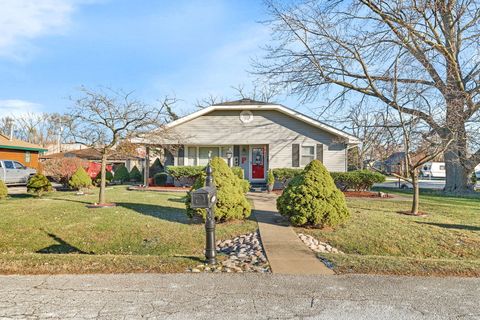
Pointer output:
258, 187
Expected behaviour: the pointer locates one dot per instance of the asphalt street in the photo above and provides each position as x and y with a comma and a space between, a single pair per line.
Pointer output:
237, 296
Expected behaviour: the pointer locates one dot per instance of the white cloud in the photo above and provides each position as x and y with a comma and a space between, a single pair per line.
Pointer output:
23, 20
16, 107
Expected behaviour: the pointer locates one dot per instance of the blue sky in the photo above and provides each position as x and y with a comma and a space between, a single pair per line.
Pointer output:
190, 49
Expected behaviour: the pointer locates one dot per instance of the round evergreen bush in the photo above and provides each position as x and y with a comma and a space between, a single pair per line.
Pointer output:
135, 175
155, 168
311, 198
80, 179
238, 171
39, 184
121, 174
3, 190
231, 200
160, 179
108, 177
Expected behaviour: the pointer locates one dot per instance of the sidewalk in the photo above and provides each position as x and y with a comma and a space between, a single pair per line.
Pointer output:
285, 252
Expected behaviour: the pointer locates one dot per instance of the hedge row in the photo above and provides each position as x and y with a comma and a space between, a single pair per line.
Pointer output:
178, 172
357, 180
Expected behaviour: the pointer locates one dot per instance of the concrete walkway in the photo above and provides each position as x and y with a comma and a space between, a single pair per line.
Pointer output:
286, 253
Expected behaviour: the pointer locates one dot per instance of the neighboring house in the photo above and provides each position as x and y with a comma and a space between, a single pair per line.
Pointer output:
256, 136
395, 163
63, 147
95, 156
24, 152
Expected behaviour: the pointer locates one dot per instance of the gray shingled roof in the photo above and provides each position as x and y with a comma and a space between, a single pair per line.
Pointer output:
244, 101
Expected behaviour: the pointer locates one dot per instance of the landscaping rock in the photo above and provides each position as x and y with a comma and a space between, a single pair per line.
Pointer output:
244, 254
316, 245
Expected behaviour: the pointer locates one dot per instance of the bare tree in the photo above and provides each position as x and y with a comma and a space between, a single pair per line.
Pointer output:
104, 119
420, 145
340, 49
371, 127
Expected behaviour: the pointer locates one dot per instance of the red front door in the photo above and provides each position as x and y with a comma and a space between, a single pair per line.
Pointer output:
258, 162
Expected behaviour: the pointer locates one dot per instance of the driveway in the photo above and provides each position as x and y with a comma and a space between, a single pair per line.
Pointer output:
237, 296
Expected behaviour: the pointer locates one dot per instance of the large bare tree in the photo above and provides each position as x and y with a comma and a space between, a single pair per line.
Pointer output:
106, 119
348, 48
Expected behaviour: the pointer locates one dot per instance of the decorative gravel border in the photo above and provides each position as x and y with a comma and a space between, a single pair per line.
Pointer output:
316, 245
245, 254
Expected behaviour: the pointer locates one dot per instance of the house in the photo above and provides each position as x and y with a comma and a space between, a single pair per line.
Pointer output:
256, 136
24, 152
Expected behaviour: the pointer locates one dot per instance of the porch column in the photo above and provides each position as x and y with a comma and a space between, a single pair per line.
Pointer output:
146, 171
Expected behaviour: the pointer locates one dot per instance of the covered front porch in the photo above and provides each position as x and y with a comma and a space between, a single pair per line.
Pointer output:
253, 159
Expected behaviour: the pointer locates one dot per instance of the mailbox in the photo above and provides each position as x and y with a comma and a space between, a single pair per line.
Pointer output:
203, 198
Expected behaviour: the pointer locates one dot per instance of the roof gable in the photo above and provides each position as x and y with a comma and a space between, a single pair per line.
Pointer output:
253, 105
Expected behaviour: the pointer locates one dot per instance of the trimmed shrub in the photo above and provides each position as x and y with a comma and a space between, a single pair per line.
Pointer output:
160, 179
136, 175
155, 168
178, 172
80, 179
121, 174
359, 180
3, 190
38, 184
108, 177
238, 171
311, 198
285, 174
231, 201
270, 178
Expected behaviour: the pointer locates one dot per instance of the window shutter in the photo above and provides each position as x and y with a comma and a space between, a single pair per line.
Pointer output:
168, 157
320, 152
295, 155
181, 155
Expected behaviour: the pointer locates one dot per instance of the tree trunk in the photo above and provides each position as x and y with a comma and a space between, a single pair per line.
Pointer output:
103, 178
416, 193
457, 164
457, 170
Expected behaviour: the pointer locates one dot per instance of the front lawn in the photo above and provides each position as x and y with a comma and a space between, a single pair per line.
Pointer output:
147, 231
379, 240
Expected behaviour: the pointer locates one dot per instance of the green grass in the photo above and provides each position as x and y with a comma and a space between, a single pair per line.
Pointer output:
147, 231
378, 239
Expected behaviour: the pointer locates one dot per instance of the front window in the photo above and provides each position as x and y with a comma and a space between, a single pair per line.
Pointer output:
203, 154
307, 155
27, 157
192, 156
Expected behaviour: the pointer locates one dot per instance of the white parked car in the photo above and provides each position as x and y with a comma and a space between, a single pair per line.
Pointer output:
433, 170
477, 171
13, 172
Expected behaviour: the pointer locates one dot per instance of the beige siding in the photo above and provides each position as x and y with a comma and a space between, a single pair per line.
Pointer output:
272, 128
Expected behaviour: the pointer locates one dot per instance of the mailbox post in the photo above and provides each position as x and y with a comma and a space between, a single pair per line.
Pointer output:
205, 198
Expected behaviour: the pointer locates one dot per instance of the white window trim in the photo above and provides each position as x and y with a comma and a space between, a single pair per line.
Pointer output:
301, 152
185, 154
